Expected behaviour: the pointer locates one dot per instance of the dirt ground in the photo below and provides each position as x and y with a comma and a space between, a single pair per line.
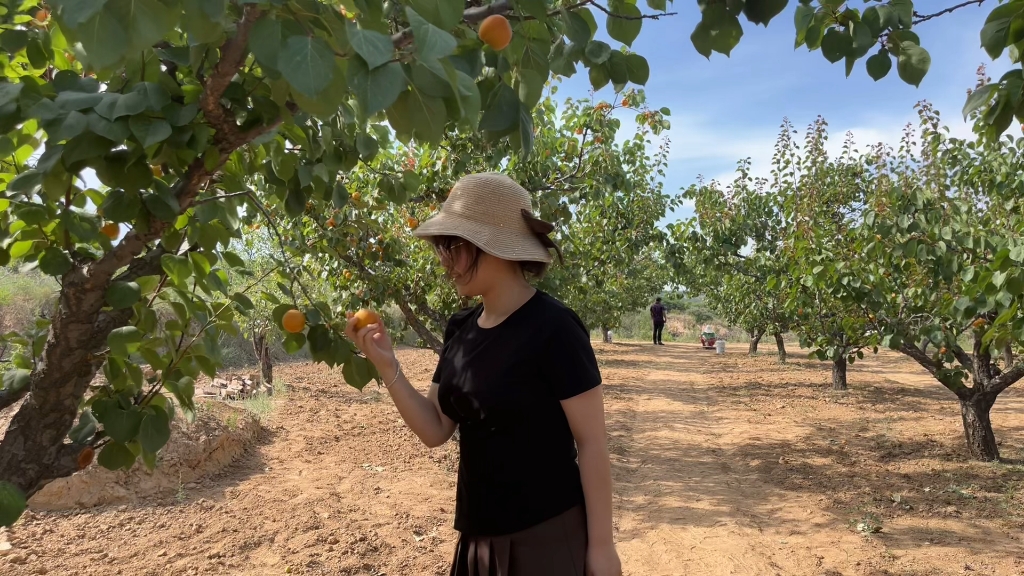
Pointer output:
722, 465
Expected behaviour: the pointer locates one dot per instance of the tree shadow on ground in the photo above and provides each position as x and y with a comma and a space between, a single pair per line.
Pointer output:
690, 455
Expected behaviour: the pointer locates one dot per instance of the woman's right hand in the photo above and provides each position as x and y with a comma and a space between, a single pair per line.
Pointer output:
374, 343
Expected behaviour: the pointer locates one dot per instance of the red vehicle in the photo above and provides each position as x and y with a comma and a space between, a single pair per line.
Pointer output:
708, 338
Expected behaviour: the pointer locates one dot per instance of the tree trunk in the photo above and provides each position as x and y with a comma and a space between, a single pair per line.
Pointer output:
755, 339
981, 441
781, 345
428, 337
1008, 356
606, 334
839, 374
262, 349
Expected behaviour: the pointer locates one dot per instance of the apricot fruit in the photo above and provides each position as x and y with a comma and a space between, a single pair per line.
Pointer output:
496, 32
293, 321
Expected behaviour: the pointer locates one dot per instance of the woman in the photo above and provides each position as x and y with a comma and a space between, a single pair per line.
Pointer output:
518, 377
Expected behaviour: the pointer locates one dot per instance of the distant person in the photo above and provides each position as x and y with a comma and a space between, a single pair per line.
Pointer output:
659, 315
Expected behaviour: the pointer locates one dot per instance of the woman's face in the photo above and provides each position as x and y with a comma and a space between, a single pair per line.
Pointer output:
458, 260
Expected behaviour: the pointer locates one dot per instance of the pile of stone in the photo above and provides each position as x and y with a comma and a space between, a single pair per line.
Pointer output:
235, 388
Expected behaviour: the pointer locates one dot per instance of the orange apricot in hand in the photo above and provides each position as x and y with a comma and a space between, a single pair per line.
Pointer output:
365, 317
496, 32
293, 321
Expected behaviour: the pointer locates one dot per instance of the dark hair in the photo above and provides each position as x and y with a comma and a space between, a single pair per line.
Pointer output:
658, 299
446, 247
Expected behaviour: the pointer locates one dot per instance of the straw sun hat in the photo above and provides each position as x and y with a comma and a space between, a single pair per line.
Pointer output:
493, 212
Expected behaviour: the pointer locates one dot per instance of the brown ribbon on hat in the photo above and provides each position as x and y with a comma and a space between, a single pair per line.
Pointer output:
541, 230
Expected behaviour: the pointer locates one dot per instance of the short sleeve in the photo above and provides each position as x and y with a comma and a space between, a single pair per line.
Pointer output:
570, 365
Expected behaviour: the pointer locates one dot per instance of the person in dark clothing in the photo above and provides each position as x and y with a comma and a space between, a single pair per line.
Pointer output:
659, 315
518, 377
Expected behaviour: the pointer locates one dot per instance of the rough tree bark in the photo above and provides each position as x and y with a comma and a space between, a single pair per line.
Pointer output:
428, 337
755, 339
261, 346
33, 450
981, 440
781, 344
839, 374
977, 400
1008, 355
606, 334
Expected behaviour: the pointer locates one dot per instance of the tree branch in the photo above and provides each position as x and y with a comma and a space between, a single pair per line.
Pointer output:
232, 55
421, 330
961, 391
1006, 379
476, 14
919, 18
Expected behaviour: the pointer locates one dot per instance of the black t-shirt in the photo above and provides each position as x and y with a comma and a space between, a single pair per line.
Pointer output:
503, 386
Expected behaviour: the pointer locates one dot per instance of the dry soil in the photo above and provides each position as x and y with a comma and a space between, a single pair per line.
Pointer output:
722, 465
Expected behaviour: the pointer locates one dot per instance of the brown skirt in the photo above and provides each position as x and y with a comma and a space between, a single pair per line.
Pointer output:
555, 547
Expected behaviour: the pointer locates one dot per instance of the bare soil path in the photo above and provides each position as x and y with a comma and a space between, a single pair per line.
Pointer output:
722, 464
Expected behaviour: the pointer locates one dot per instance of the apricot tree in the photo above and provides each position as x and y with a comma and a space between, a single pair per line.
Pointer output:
196, 115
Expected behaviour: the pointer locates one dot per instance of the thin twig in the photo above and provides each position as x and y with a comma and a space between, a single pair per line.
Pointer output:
926, 17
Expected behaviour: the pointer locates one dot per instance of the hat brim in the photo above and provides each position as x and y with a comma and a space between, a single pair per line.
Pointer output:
499, 242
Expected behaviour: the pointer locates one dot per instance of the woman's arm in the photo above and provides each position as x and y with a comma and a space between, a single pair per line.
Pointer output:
421, 413
585, 413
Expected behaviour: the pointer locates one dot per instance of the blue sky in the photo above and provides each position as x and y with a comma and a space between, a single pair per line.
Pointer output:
727, 109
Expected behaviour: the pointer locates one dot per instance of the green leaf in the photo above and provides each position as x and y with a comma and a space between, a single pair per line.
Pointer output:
445, 14
995, 36
121, 206
357, 372
116, 456
128, 104
577, 28
701, 40
155, 430
67, 127
879, 65
12, 503
836, 45
54, 261
85, 429
121, 425
17, 379
762, 11
979, 98
430, 41
502, 110
659, 5
598, 77
265, 41
913, 63
149, 131
340, 196
77, 100
179, 268
536, 8
375, 48
13, 40
124, 341
624, 30
294, 342
367, 147
530, 88
638, 69
123, 295
525, 131
375, 89
598, 51
308, 64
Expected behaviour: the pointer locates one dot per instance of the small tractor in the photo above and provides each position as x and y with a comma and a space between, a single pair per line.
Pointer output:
708, 338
